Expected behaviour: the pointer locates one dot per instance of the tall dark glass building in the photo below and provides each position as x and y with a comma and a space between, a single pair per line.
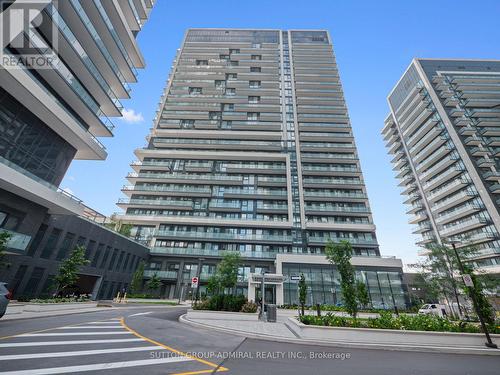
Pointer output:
252, 152
65, 66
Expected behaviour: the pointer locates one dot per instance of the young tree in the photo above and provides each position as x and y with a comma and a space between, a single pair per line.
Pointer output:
340, 254
226, 275
302, 292
4, 238
136, 283
153, 283
362, 294
483, 305
440, 272
67, 274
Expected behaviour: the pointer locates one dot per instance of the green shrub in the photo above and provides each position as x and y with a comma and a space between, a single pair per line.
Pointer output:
141, 295
249, 307
402, 322
222, 303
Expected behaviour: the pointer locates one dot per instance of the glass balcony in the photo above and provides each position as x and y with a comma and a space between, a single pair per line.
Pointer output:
156, 202
328, 194
331, 208
224, 236
167, 275
172, 189
209, 252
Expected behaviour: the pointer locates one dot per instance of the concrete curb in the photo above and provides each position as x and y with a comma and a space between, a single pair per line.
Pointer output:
353, 345
59, 313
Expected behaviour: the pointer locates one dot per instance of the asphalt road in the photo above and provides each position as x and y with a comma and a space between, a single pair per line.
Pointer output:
150, 340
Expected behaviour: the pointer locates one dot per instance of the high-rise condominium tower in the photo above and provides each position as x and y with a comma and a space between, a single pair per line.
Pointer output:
252, 151
444, 134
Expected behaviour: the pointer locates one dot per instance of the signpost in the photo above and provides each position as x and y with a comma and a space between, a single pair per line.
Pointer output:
468, 280
194, 282
294, 278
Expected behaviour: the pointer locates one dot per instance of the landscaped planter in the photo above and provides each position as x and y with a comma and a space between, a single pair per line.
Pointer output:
388, 336
209, 314
39, 307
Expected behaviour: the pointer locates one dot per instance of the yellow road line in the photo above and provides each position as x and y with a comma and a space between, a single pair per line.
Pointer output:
200, 372
211, 364
50, 329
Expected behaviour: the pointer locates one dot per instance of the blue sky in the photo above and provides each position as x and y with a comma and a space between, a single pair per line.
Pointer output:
374, 42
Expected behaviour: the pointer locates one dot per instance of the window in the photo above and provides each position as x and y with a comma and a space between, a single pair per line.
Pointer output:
231, 76
214, 115
34, 281
228, 107
201, 62
254, 84
253, 99
113, 259
234, 50
253, 116
256, 57
224, 57
105, 257
220, 84
187, 124
37, 240
256, 45
226, 124
255, 69
66, 246
230, 91
194, 90
100, 250
234, 63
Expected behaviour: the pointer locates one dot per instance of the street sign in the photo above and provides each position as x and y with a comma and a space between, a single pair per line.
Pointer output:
194, 282
294, 278
468, 280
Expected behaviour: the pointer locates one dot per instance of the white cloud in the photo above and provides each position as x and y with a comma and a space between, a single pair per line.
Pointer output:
130, 116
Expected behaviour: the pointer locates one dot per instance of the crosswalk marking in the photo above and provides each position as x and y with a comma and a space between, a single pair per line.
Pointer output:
97, 366
72, 334
94, 355
90, 327
72, 342
79, 352
143, 313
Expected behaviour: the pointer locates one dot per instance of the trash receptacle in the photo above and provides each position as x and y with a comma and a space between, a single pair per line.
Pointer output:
271, 313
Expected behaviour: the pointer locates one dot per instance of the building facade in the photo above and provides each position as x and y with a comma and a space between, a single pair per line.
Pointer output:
113, 259
443, 132
65, 67
251, 151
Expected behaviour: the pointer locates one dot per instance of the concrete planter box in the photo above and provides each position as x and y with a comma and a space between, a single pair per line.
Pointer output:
41, 307
388, 336
221, 315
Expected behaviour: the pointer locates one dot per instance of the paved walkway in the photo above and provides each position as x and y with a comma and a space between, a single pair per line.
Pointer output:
279, 331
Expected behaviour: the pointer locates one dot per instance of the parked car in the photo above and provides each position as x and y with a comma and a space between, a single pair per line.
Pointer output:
434, 309
5, 296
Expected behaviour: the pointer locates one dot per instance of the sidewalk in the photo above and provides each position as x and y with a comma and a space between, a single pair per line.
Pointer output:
17, 311
283, 331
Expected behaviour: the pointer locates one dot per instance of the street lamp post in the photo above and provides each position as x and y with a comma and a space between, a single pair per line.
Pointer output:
488, 342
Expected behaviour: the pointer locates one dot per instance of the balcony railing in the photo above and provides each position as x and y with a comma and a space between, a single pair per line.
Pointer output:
172, 275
